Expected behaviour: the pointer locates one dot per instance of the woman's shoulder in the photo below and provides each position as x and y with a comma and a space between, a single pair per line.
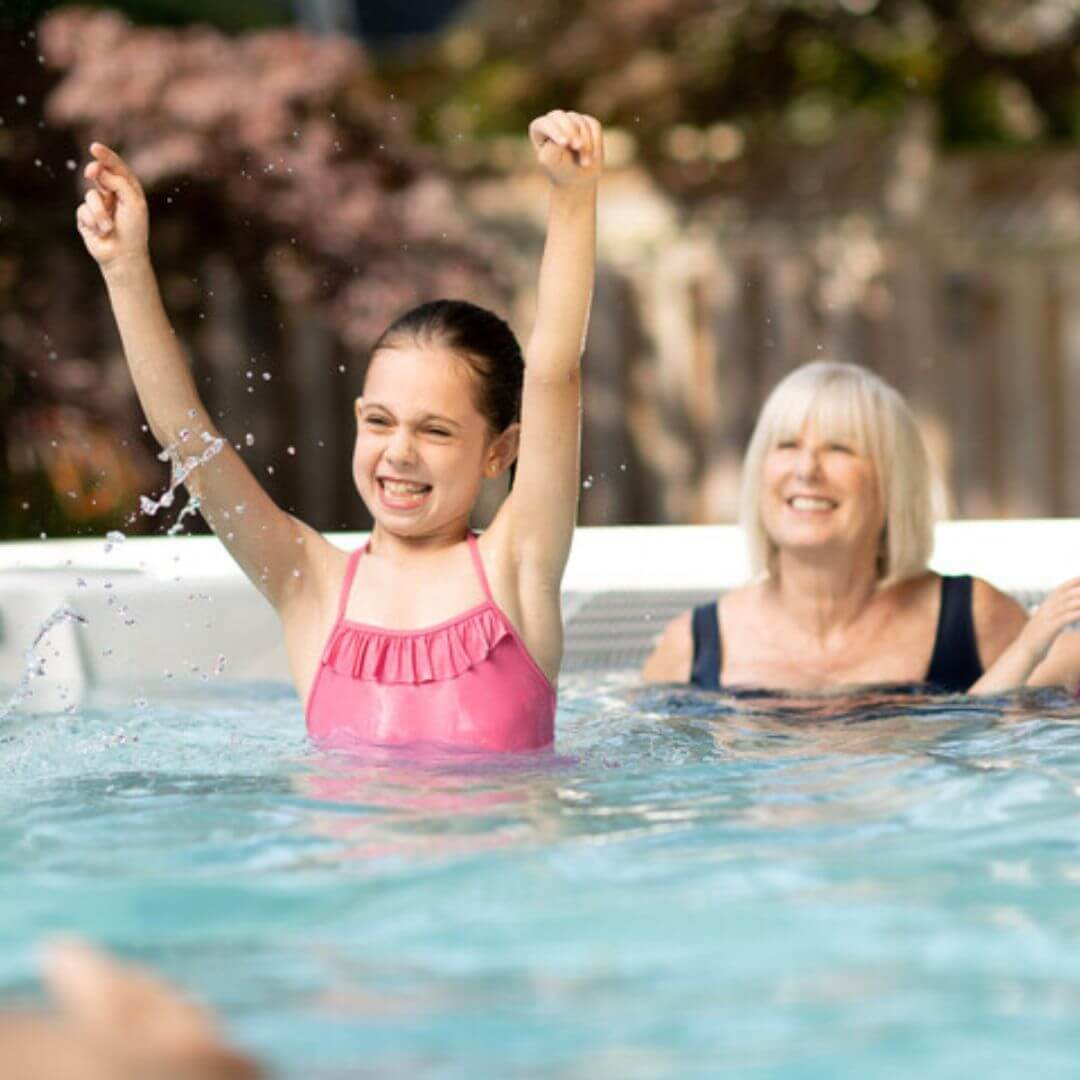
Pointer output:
673, 653
998, 618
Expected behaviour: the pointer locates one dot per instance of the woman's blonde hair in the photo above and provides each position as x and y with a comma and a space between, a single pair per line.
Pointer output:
849, 403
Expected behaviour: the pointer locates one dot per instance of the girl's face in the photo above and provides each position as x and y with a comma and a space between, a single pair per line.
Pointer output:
422, 447
821, 494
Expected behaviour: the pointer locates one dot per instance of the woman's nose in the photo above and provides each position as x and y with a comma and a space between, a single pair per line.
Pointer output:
807, 463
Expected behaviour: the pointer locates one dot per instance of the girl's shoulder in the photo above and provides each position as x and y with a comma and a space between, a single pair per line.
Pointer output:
319, 570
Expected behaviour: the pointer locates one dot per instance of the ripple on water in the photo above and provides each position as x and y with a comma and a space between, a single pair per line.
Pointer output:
866, 883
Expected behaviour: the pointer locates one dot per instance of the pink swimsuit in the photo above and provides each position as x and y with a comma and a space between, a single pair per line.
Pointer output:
467, 683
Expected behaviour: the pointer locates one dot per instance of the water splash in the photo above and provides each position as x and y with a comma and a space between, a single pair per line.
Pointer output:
182, 468
112, 538
190, 509
35, 664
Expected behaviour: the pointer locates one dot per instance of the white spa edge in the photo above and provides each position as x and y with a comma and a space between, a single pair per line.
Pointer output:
181, 605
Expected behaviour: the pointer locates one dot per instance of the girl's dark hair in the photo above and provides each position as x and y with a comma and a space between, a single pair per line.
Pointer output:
481, 339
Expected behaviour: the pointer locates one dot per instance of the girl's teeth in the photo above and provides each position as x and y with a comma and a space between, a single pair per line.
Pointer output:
810, 504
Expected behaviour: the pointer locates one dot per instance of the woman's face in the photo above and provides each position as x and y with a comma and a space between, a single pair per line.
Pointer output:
821, 496
422, 447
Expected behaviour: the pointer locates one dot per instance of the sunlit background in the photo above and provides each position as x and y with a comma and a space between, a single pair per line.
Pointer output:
892, 182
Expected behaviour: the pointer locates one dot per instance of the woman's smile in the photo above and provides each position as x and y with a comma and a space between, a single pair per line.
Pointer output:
810, 504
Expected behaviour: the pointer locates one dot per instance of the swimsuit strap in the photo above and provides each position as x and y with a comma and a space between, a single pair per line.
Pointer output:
350, 573
955, 662
705, 626
478, 563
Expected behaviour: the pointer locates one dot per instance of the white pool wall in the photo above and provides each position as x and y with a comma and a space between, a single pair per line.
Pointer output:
165, 612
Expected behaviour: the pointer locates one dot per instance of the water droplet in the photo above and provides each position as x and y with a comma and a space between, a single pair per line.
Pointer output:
249, 439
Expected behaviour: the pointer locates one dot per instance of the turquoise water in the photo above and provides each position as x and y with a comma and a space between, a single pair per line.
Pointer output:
691, 886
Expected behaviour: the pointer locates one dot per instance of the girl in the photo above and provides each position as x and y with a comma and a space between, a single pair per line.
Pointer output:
429, 634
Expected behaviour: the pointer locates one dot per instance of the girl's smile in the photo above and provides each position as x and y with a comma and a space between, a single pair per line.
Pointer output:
401, 494
421, 443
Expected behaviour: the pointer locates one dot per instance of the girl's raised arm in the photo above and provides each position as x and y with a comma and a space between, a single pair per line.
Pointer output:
272, 547
542, 506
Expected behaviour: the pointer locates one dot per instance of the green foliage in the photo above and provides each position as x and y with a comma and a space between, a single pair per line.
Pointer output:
805, 70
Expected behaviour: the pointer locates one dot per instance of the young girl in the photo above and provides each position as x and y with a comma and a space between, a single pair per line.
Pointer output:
429, 634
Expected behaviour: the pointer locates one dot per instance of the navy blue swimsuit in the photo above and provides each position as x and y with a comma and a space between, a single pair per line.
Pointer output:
954, 664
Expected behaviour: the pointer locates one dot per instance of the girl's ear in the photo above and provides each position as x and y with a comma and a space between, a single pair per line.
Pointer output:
503, 451
358, 406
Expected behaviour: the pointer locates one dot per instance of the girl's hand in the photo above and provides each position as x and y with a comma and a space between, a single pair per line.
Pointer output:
569, 147
112, 219
1050, 618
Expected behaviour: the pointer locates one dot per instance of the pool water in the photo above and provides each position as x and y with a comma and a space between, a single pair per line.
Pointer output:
691, 885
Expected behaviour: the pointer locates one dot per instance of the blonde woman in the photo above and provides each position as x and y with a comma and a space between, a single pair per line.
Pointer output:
837, 504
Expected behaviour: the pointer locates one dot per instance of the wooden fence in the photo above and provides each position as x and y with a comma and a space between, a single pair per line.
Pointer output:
970, 306
968, 301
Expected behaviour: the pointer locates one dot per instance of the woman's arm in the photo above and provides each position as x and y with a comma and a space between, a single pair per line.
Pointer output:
542, 506
1016, 663
272, 547
1062, 664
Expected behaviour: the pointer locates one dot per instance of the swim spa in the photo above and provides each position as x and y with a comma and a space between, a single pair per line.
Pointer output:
690, 885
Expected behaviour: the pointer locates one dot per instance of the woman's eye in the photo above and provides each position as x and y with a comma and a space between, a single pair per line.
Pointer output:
786, 444
841, 448
441, 432
376, 421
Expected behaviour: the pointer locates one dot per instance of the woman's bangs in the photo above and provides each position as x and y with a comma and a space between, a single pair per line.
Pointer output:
836, 409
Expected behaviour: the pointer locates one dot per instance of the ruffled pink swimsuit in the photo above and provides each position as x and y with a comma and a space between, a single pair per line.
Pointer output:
467, 683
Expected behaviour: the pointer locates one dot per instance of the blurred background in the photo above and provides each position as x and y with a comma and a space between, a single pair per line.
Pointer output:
891, 182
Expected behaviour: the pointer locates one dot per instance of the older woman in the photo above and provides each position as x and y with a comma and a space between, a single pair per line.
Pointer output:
837, 503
